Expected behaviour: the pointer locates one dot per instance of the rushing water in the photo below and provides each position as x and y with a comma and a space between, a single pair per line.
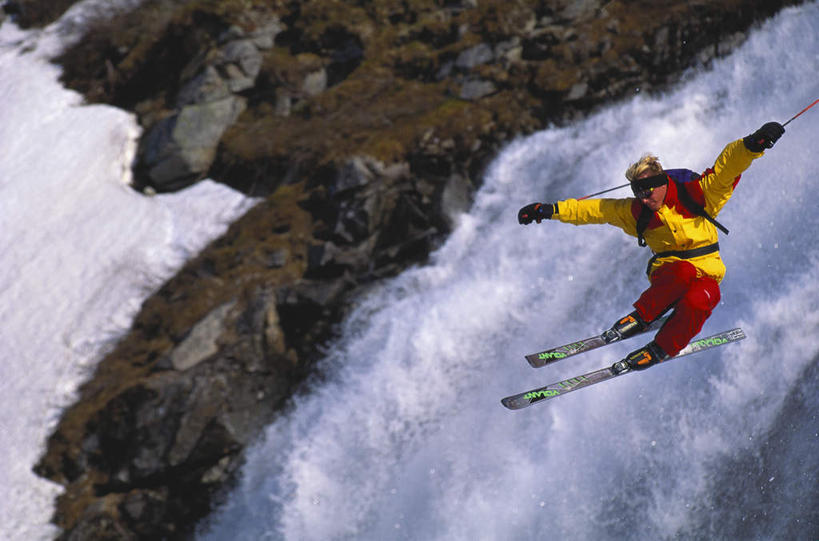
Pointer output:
80, 251
405, 437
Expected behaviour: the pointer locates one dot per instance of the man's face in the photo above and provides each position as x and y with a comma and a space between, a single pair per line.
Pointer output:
655, 200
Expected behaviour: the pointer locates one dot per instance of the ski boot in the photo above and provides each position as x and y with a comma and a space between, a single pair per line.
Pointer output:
625, 328
640, 359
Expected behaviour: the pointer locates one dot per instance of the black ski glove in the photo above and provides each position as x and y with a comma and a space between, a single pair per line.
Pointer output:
764, 137
535, 211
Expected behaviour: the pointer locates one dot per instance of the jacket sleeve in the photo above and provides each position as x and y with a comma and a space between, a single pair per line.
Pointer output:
616, 212
718, 182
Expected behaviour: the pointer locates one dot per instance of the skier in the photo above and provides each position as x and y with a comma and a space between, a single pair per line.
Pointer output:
672, 212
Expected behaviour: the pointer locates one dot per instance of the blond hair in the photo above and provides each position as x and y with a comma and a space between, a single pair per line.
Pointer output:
647, 162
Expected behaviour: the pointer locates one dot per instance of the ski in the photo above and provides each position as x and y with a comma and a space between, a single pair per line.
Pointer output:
522, 400
549, 356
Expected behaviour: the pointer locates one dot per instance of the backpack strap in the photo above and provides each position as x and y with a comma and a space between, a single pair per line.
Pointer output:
644, 218
642, 224
694, 207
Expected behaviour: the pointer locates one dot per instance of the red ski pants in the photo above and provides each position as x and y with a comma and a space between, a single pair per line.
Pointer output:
677, 285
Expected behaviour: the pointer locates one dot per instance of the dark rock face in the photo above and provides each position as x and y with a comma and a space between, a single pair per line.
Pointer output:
180, 148
366, 126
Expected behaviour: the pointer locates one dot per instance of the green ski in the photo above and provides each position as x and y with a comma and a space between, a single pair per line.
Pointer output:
522, 400
549, 356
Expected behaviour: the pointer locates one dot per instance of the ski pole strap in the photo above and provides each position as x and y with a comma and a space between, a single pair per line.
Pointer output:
683, 254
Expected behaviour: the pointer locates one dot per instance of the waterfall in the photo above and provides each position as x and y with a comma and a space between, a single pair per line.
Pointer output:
404, 437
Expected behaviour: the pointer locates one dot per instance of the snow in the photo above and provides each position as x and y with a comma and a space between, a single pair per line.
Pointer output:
81, 250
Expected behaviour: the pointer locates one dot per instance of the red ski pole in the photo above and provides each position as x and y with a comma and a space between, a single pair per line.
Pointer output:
800, 112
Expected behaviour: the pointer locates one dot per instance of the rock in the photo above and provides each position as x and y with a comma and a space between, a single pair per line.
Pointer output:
240, 61
206, 87
178, 150
315, 83
509, 50
577, 9
474, 56
274, 339
231, 68
277, 258
445, 70
201, 342
218, 473
357, 172
352, 224
100, 521
233, 33
144, 508
577, 91
475, 89
200, 421
265, 37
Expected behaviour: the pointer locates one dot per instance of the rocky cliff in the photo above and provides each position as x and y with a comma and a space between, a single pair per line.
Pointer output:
365, 127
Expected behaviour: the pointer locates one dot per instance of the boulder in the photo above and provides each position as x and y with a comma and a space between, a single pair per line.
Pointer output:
240, 62
264, 37
201, 341
474, 56
206, 87
475, 89
180, 149
315, 83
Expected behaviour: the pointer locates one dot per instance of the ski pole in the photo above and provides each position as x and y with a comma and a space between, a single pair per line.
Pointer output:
800, 112
604, 191
624, 185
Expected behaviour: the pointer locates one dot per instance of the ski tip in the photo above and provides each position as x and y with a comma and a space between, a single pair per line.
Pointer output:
533, 361
510, 403
539, 360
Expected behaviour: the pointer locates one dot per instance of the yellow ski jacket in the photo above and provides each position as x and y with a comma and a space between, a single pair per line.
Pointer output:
673, 227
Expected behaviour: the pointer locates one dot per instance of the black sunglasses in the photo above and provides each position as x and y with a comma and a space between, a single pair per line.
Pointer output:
642, 187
